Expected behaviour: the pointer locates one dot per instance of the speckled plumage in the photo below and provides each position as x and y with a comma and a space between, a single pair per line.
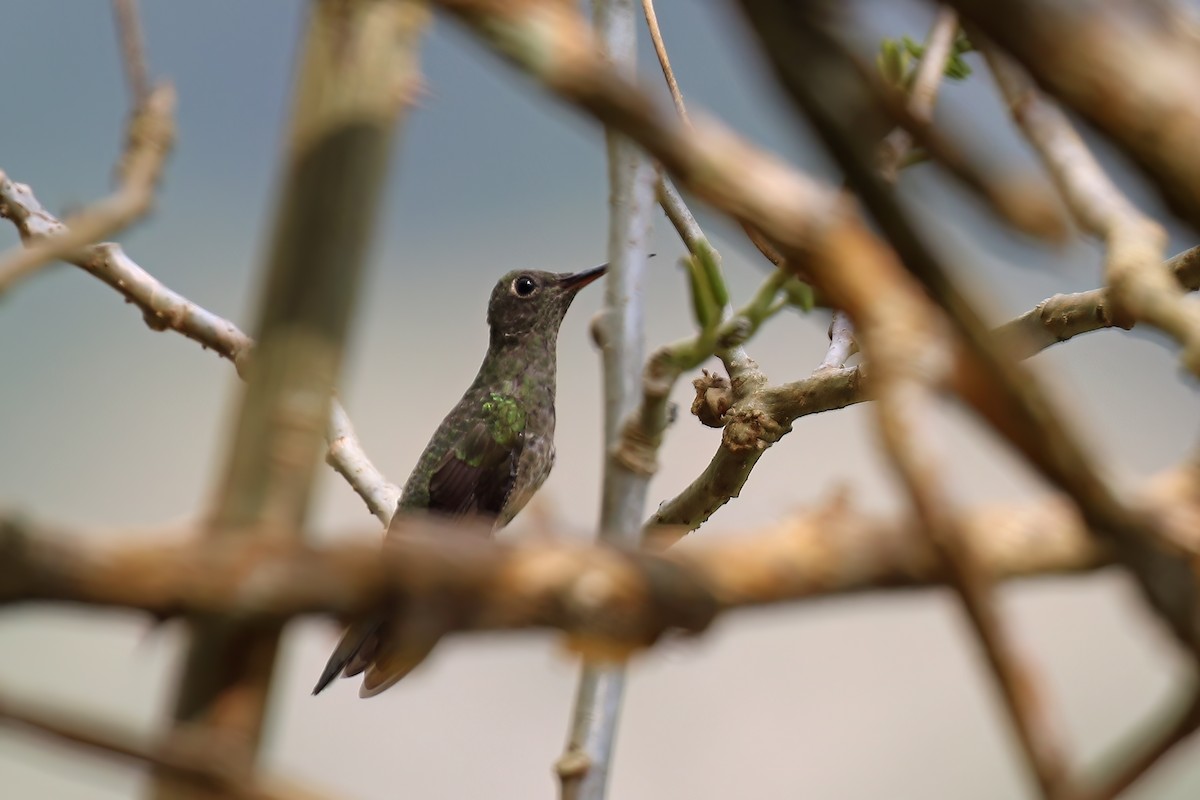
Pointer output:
490, 454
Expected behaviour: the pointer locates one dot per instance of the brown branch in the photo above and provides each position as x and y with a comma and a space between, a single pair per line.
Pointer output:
660, 49
1007, 396
163, 309
358, 63
149, 138
906, 399
1125, 67
939, 44
1142, 289
1176, 727
202, 763
1054, 320
596, 593
133, 49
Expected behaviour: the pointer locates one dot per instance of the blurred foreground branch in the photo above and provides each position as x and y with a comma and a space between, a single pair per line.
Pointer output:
598, 593
205, 764
356, 72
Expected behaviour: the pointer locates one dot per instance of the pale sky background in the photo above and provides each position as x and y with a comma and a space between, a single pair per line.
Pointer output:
109, 427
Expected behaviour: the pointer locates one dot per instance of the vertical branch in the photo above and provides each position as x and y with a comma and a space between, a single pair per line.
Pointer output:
583, 768
357, 62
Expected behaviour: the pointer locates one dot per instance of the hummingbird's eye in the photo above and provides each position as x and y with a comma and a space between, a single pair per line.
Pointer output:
524, 286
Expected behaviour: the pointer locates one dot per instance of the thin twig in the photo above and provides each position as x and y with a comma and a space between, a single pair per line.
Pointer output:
202, 763
148, 140
163, 309
1124, 67
133, 49
660, 48
1142, 289
939, 44
841, 342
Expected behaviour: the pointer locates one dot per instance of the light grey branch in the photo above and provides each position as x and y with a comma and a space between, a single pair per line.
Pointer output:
149, 138
583, 768
165, 309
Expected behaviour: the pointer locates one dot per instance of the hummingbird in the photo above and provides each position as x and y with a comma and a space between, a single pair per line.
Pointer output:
491, 453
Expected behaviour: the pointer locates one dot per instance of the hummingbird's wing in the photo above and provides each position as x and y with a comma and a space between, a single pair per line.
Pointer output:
477, 475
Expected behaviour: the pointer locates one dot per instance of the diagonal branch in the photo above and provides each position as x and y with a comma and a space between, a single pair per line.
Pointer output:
201, 763
164, 309
148, 140
1125, 67
1142, 289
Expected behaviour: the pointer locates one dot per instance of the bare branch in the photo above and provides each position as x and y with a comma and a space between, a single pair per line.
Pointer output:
148, 140
1007, 396
1126, 67
600, 594
358, 62
921, 97
1056, 319
1176, 727
841, 342
133, 49
660, 48
630, 459
165, 309
1142, 289
204, 764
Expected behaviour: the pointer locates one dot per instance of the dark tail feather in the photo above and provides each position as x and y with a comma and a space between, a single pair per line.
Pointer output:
348, 650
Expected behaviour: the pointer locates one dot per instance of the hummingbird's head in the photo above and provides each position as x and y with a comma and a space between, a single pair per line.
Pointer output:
529, 300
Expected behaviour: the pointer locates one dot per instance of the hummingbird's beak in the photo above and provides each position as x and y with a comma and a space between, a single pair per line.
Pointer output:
576, 281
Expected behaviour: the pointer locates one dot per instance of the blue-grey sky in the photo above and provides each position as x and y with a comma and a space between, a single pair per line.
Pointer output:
107, 426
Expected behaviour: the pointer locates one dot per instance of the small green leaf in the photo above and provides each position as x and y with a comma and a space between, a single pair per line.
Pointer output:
704, 308
800, 294
711, 261
893, 62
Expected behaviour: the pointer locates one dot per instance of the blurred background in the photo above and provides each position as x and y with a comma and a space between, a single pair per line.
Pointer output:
109, 427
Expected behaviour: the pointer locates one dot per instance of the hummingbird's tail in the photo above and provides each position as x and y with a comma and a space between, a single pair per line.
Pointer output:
352, 654
383, 655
